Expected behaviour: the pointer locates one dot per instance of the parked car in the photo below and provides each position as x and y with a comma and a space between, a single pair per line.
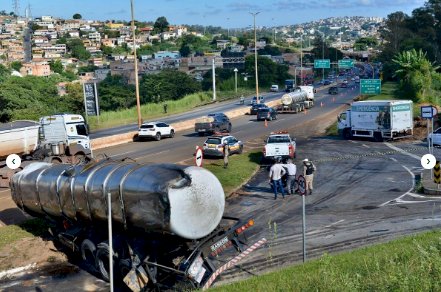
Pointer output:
333, 90
155, 130
266, 114
435, 137
274, 88
254, 100
214, 145
255, 107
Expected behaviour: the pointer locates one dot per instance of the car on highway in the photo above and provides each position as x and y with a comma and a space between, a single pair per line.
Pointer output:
344, 85
333, 90
435, 137
255, 107
155, 130
274, 88
214, 145
266, 114
254, 100
327, 82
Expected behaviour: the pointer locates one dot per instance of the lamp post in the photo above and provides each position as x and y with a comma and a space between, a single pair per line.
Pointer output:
214, 80
323, 55
138, 103
255, 56
228, 29
235, 79
301, 59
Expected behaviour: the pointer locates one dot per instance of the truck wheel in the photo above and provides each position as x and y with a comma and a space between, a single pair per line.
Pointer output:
56, 160
346, 134
102, 261
88, 250
378, 137
201, 134
158, 136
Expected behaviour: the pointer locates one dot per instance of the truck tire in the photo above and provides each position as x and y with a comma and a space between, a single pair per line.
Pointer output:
88, 250
378, 137
158, 136
201, 134
346, 134
102, 261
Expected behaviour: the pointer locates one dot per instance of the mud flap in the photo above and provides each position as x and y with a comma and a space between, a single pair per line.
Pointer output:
136, 279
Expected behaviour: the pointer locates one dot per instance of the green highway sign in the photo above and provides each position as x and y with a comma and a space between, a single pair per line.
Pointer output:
370, 86
345, 63
322, 64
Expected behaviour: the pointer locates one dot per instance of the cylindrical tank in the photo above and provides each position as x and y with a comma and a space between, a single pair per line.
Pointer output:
184, 200
293, 97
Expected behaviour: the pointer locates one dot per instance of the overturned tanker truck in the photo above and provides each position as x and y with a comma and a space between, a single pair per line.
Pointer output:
168, 224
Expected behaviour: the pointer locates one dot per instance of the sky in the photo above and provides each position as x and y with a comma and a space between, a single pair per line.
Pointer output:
224, 13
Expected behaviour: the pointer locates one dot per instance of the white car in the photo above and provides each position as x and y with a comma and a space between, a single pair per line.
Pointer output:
274, 88
435, 137
155, 130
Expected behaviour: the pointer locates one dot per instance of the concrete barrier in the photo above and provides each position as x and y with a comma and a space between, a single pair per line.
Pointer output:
114, 140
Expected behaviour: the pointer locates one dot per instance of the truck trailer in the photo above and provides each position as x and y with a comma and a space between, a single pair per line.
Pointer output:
59, 138
377, 119
169, 227
300, 99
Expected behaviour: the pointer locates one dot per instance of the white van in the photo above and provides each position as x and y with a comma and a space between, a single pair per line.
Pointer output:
274, 88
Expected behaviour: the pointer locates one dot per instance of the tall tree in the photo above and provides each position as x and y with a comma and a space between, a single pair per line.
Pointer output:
77, 16
161, 24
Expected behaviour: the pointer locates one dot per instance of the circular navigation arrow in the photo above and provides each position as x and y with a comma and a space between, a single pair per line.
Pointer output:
13, 161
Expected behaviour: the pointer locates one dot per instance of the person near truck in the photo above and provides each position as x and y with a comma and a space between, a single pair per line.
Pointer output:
226, 152
276, 172
308, 172
291, 170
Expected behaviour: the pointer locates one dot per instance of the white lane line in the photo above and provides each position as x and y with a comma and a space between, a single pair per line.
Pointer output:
406, 193
124, 153
157, 153
332, 224
366, 146
352, 141
402, 151
393, 159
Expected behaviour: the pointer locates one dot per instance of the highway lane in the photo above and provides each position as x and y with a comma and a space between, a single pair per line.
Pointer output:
180, 149
223, 106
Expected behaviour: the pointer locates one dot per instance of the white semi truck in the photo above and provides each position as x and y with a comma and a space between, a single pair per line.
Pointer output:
300, 99
61, 138
377, 119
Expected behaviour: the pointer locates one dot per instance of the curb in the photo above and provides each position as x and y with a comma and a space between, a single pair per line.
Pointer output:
429, 191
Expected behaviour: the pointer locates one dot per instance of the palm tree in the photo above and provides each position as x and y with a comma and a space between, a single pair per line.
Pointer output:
415, 73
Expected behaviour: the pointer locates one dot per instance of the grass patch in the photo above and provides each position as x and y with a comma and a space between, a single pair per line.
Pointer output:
156, 110
411, 263
332, 130
240, 169
29, 228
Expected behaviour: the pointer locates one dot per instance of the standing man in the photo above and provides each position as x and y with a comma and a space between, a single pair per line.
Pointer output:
165, 108
291, 170
275, 175
308, 172
226, 154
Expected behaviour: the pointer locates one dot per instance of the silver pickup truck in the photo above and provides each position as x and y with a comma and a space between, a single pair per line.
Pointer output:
279, 144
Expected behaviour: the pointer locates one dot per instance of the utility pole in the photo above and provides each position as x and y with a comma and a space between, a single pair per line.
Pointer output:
138, 103
301, 59
214, 79
235, 79
255, 56
323, 55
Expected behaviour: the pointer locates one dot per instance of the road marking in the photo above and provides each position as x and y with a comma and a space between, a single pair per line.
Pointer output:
332, 224
124, 153
366, 146
161, 152
393, 159
402, 151
237, 132
406, 193
352, 141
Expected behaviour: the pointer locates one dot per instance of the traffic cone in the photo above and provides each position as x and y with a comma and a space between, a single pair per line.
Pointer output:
266, 123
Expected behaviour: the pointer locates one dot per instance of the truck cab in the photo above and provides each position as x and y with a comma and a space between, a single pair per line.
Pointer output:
64, 133
344, 124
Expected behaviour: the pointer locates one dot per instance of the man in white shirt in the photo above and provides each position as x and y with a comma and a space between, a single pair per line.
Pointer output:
291, 170
275, 175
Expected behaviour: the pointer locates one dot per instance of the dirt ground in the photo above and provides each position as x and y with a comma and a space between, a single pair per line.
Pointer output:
43, 253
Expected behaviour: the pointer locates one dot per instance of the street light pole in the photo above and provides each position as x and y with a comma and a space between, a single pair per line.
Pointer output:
138, 103
228, 29
214, 81
255, 56
301, 59
323, 55
235, 78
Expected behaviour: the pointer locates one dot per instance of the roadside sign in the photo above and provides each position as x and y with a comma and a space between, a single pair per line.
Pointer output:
302, 185
345, 63
91, 99
437, 173
198, 157
322, 64
428, 112
370, 86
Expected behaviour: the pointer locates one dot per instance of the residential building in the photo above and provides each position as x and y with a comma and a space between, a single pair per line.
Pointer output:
36, 69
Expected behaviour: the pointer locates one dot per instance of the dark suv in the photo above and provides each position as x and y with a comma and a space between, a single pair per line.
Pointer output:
215, 122
266, 114
254, 108
333, 90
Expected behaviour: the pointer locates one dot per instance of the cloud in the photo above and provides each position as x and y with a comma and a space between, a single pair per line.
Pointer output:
339, 4
242, 6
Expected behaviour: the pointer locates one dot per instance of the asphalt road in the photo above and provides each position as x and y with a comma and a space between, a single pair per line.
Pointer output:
180, 149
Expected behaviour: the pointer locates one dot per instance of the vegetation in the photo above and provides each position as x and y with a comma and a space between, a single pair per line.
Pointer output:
411, 263
77, 49
29, 228
77, 16
161, 25
240, 169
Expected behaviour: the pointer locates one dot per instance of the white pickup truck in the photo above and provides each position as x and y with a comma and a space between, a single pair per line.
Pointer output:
279, 144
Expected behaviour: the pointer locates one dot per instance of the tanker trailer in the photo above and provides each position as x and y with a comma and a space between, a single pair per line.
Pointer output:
293, 102
168, 222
